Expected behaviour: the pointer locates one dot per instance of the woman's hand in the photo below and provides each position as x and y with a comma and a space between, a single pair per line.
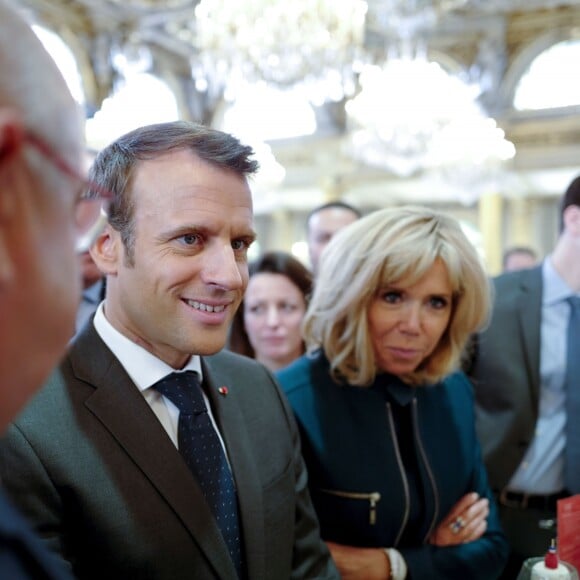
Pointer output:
360, 563
466, 522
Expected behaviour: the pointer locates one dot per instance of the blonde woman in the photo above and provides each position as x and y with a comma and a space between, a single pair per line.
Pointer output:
386, 418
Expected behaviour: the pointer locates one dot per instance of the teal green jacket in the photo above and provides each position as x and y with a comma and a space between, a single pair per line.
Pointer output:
357, 479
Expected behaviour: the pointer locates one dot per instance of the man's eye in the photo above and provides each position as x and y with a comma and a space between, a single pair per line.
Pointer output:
240, 245
190, 239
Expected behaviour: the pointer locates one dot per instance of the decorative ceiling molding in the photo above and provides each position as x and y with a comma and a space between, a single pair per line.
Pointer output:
498, 38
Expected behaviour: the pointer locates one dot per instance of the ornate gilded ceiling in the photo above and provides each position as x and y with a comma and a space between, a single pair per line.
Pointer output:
495, 39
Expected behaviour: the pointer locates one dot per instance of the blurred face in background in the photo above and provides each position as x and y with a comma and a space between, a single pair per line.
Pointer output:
519, 260
322, 226
273, 311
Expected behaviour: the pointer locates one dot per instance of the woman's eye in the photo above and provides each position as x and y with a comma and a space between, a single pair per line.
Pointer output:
391, 297
438, 302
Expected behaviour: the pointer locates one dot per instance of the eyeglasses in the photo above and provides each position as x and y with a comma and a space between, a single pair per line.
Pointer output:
90, 210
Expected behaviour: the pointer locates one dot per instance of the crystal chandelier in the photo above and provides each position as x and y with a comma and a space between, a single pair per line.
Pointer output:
411, 115
278, 41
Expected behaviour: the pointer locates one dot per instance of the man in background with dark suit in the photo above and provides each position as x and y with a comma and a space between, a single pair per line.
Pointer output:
93, 290
40, 183
92, 279
527, 389
151, 454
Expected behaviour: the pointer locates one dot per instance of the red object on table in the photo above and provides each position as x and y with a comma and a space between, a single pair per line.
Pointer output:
569, 530
551, 557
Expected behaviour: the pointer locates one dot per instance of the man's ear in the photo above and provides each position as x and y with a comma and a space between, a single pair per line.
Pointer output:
571, 219
107, 251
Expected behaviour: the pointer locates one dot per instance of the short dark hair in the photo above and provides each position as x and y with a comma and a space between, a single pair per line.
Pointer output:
114, 166
333, 205
273, 263
571, 197
519, 250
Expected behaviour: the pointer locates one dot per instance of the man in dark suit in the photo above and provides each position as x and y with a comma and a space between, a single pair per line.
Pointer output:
523, 393
40, 162
105, 460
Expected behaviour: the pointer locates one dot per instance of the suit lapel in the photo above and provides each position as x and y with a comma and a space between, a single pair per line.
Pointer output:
228, 414
529, 303
119, 406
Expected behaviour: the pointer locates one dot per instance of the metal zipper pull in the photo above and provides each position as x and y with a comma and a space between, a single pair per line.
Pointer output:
373, 500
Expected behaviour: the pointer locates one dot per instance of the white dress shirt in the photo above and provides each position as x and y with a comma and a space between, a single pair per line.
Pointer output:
542, 469
145, 370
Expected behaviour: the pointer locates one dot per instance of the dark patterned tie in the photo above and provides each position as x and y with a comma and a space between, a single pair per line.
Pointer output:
201, 448
572, 382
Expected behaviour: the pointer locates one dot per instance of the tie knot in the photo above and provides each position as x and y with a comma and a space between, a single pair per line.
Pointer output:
184, 391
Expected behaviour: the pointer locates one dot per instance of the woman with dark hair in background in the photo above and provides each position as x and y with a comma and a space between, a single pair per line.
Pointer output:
267, 326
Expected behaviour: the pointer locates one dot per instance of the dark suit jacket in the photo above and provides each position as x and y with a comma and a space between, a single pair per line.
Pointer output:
91, 466
22, 556
506, 373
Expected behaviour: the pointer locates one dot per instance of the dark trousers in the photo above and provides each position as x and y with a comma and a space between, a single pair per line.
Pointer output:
529, 531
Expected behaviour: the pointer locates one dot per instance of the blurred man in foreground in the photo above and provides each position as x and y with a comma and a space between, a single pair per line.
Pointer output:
40, 211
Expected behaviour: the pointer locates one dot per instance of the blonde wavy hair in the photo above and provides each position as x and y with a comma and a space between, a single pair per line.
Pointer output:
374, 252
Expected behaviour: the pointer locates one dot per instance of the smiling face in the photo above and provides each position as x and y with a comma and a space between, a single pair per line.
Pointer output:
193, 225
273, 311
406, 321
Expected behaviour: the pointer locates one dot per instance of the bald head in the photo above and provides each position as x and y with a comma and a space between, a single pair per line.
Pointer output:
39, 274
32, 85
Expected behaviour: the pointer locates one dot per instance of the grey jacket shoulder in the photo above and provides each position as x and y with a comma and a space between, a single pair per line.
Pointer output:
527, 279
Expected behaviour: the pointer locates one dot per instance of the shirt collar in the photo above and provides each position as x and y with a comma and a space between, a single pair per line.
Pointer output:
399, 392
555, 288
143, 368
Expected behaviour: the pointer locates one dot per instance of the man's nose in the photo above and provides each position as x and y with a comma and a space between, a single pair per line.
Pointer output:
223, 268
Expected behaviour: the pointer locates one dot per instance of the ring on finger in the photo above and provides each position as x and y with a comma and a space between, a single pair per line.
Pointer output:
457, 525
